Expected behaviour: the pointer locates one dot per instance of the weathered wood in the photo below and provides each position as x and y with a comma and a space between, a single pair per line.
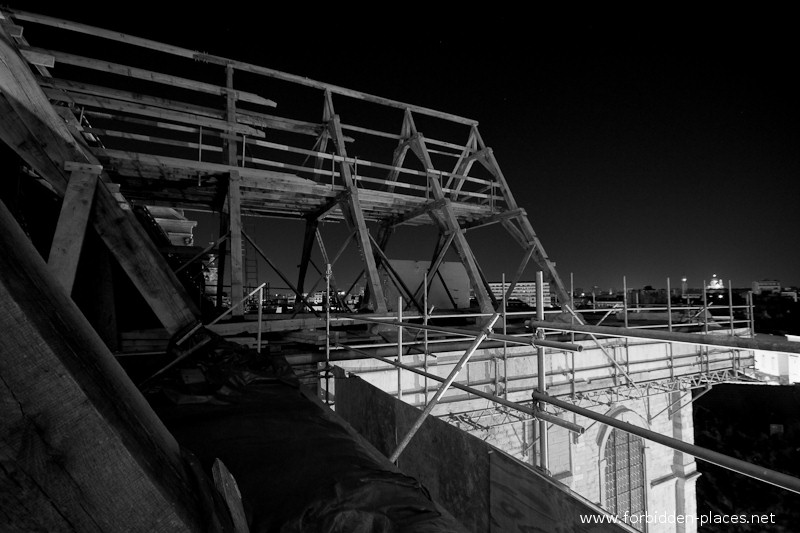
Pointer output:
229, 490
28, 115
238, 65
141, 261
38, 58
235, 224
100, 102
308, 244
277, 270
492, 219
75, 87
357, 215
80, 448
65, 251
148, 75
450, 221
12, 30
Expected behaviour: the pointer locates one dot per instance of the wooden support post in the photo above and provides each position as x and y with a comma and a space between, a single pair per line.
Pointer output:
353, 206
464, 251
81, 448
73, 220
142, 262
401, 150
235, 222
308, 244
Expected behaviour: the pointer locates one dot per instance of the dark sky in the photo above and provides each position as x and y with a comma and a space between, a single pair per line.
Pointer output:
643, 145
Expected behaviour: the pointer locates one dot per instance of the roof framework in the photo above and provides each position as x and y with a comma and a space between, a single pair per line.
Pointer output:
180, 128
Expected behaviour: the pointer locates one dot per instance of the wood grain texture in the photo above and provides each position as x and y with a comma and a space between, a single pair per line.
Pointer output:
80, 448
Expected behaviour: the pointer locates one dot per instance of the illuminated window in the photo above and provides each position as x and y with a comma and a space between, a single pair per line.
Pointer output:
624, 476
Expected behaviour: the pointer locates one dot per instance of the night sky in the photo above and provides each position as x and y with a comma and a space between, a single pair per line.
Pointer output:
646, 146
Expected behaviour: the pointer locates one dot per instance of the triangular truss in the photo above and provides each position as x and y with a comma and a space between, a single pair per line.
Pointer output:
196, 143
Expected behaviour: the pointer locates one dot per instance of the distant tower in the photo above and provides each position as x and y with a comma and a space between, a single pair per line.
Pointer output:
684, 287
715, 283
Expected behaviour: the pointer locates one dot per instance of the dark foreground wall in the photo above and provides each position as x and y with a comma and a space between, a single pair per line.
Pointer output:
483, 487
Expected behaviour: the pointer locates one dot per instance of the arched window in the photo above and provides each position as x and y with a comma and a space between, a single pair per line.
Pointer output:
624, 476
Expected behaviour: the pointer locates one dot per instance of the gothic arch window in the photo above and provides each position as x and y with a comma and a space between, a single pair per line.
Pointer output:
624, 488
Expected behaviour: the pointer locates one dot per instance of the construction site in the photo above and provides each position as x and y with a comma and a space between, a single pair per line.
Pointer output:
153, 382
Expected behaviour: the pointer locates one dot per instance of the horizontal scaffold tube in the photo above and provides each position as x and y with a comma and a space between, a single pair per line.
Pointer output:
575, 428
527, 341
673, 336
761, 473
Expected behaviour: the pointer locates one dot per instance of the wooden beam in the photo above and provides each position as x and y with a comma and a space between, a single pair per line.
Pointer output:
149, 75
12, 29
448, 218
238, 65
438, 256
278, 271
44, 143
82, 449
308, 244
142, 262
396, 279
65, 250
355, 211
99, 102
492, 219
235, 224
38, 58
417, 212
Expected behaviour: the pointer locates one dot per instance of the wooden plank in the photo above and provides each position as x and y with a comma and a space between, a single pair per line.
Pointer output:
357, 215
149, 75
74, 87
65, 250
140, 259
37, 58
45, 143
12, 30
74, 166
238, 65
492, 219
228, 489
81, 449
150, 111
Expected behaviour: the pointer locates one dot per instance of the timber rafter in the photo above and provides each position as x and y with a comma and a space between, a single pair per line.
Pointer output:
176, 140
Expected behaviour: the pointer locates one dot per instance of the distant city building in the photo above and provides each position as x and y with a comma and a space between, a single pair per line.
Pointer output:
524, 291
766, 285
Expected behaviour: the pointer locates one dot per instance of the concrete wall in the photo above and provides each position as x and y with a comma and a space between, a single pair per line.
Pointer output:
487, 490
590, 380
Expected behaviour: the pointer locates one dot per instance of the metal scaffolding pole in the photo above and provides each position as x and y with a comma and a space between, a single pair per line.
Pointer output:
541, 383
446, 385
526, 341
731, 463
674, 336
536, 413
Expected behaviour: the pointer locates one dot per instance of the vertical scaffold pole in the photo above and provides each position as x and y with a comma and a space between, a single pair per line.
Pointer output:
730, 304
399, 347
425, 333
505, 344
540, 373
487, 329
260, 311
327, 333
